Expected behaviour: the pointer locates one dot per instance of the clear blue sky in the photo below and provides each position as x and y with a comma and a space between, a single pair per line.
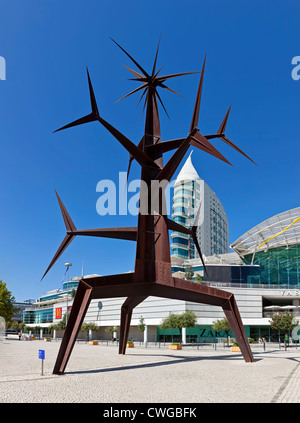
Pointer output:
47, 46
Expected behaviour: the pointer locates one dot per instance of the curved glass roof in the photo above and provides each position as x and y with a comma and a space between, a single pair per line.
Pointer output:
283, 229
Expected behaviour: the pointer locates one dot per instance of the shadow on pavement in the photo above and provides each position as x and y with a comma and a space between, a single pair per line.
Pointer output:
178, 360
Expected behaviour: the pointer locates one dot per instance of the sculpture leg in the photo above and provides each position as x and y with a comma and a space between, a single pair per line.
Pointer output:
234, 319
122, 285
124, 329
78, 311
126, 314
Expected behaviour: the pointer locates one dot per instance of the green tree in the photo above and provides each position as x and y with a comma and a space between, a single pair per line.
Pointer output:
62, 324
141, 324
7, 309
86, 327
283, 322
189, 273
179, 321
18, 326
111, 329
222, 325
14, 325
198, 278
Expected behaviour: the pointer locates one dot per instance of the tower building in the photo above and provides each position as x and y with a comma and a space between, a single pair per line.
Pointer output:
191, 193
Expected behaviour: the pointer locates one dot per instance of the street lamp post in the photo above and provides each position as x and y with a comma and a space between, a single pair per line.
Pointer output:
68, 265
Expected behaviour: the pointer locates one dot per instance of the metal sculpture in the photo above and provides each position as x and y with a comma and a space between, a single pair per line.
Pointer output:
152, 273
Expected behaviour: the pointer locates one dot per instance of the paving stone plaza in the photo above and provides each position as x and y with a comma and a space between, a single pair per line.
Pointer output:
98, 374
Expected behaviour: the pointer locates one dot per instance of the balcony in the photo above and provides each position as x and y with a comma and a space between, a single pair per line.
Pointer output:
180, 235
177, 245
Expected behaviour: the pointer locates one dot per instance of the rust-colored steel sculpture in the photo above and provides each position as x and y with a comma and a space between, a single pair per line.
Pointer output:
152, 273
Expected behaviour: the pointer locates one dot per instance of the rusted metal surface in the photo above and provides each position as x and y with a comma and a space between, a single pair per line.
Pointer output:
152, 272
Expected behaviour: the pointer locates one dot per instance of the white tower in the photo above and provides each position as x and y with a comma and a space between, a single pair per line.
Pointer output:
190, 193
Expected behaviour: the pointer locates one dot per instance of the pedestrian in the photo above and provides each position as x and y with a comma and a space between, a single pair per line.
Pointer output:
20, 335
286, 340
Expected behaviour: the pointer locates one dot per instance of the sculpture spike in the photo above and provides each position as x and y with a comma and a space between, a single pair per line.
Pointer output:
132, 59
169, 89
160, 100
174, 75
135, 73
155, 60
131, 92
92, 117
221, 136
92, 95
195, 118
209, 148
67, 219
71, 230
222, 127
66, 241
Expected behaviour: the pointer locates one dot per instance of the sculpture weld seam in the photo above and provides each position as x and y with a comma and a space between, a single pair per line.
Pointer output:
152, 273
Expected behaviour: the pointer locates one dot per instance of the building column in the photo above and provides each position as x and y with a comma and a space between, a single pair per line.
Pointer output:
54, 333
41, 333
90, 334
296, 303
183, 336
146, 334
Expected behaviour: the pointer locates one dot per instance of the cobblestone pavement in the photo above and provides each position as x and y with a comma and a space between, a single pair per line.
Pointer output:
98, 374
290, 389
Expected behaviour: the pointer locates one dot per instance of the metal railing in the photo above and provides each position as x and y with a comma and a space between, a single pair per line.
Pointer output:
271, 313
251, 285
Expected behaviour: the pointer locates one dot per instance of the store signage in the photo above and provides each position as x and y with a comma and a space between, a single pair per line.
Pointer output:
291, 293
58, 313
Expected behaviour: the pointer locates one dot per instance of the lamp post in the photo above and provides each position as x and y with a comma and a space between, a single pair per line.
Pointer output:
68, 265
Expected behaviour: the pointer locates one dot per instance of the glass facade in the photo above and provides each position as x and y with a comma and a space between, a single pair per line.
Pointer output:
39, 315
245, 275
70, 285
219, 231
183, 213
28, 316
44, 313
278, 266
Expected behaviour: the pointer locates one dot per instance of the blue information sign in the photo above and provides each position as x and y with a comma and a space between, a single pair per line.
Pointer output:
42, 354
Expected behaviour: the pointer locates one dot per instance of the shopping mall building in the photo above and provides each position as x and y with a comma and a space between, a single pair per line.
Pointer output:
263, 273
